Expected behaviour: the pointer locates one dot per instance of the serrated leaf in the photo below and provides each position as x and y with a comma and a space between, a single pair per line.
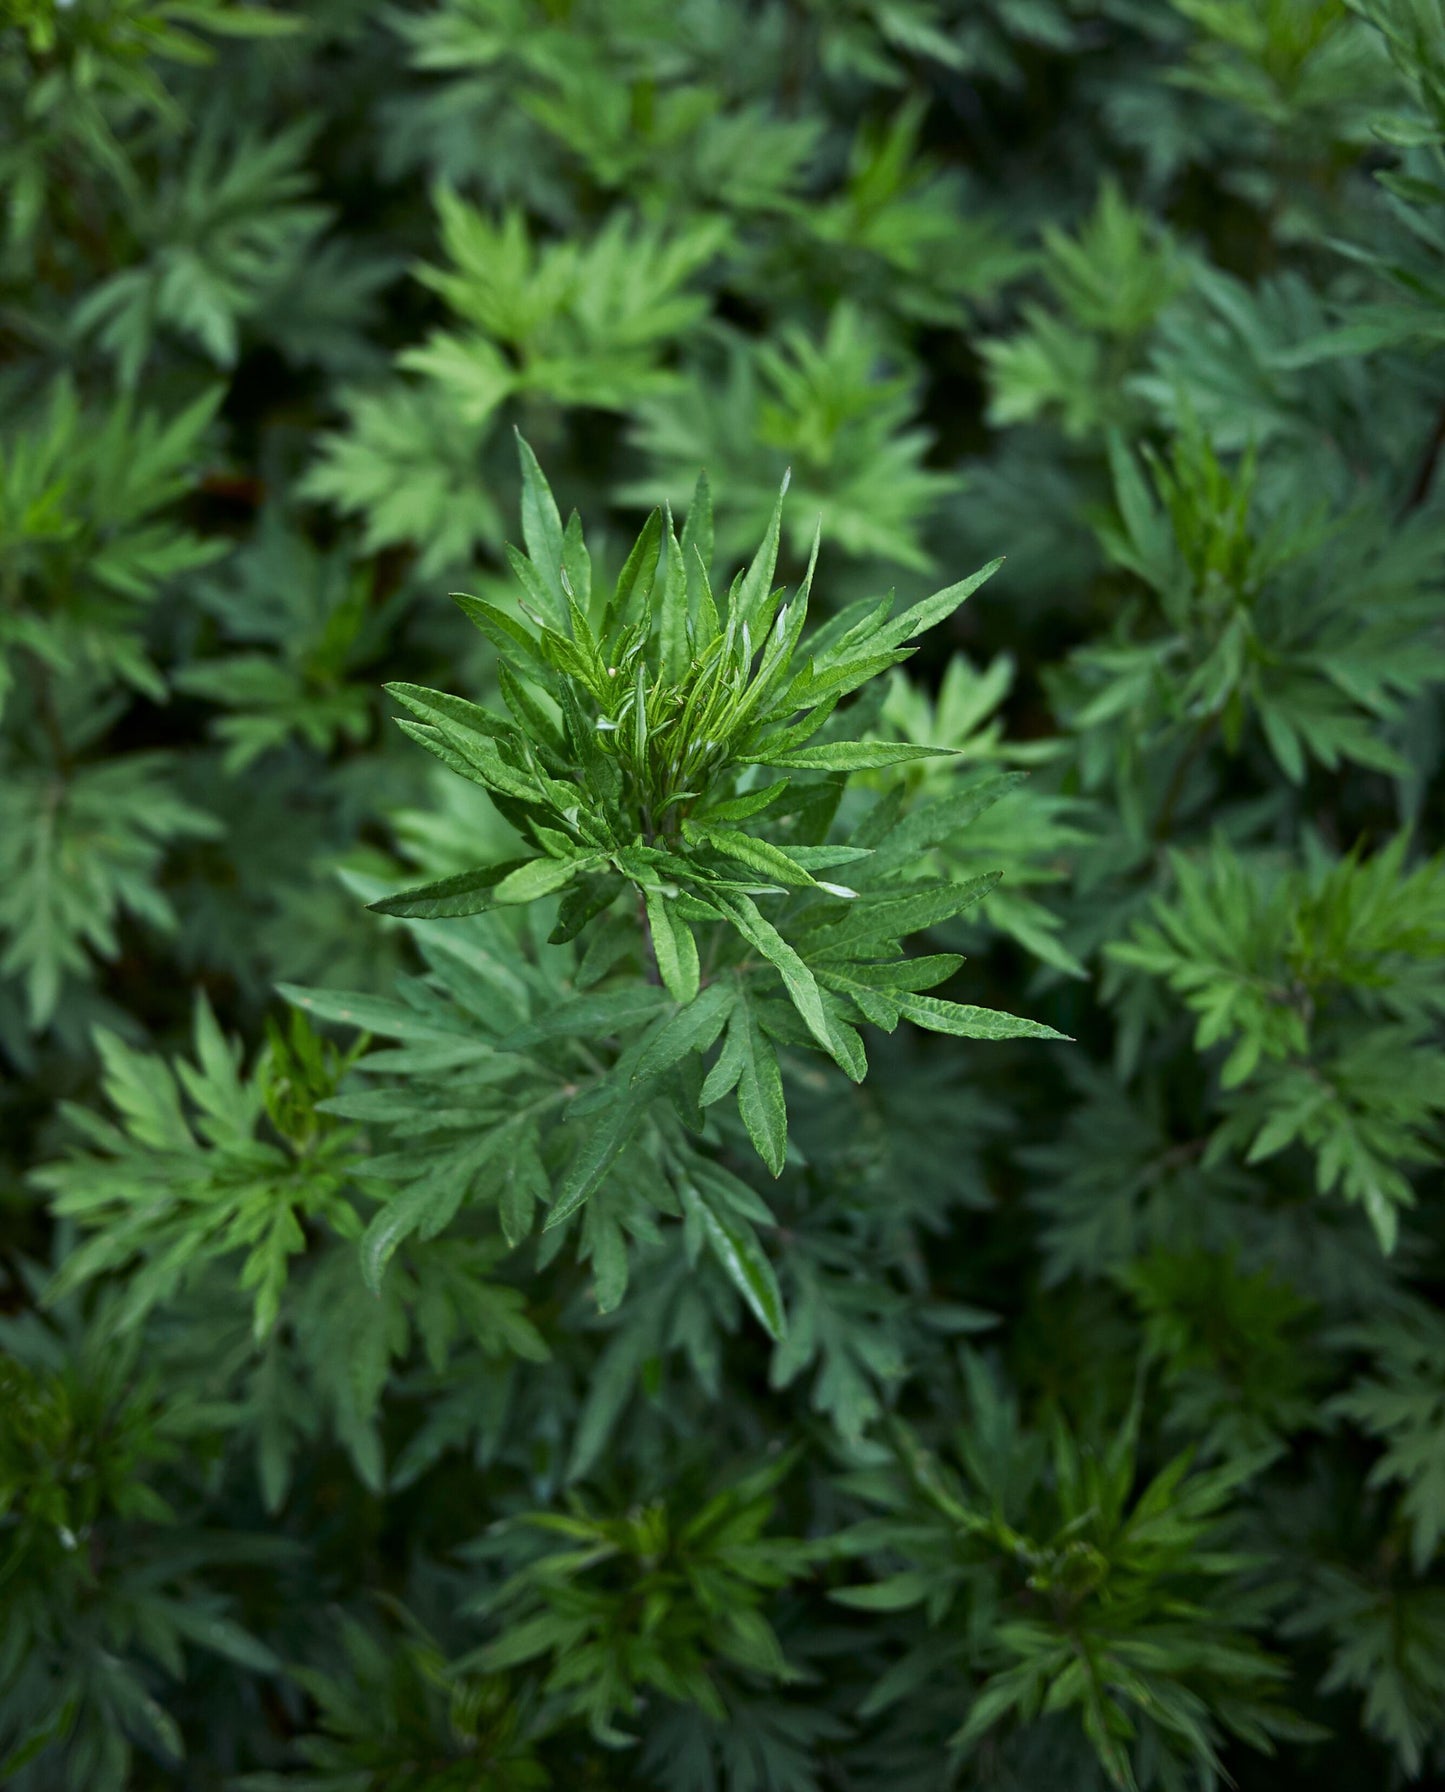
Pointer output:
370, 1014
798, 980
602, 1144
673, 946
467, 893
757, 854
735, 1245
849, 755
759, 1084
425, 1206
693, 1028
542, 532
537, 878
964, 1022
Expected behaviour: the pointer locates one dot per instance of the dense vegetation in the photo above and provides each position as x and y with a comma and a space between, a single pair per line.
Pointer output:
796, 1184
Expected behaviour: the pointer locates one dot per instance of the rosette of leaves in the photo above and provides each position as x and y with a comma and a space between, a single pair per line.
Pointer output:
635, 760
668, 1598
1047, 1574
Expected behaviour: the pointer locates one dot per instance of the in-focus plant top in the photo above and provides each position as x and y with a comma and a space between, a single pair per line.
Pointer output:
637, 758
637, 747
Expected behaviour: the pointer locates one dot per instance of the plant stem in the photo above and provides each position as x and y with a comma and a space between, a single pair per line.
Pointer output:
1425, 472
1181, 772
50, 719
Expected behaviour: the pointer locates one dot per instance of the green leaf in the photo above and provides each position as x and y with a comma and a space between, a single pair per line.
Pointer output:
446, 712
933, 610
674, 947
900, 1592
603, 1143
757, 584
539, 877
635, 580
740, 808
505, 633
971, 1023
748, 849
735, 1245
542, 532
691, 1029
427, 1206
223, 1637
884, 915
526, 1186
697, 552
799, 981
467, 893
849, 755
602, 1016
371, 1014
669, 603
749, 1063
238, 21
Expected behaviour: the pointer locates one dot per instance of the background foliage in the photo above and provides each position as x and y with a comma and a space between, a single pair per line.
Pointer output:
483, 1353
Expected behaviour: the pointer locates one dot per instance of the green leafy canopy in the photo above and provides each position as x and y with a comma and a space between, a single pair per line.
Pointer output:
637, 744
658, 1352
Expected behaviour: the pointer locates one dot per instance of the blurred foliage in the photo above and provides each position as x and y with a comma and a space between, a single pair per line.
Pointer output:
508, 1280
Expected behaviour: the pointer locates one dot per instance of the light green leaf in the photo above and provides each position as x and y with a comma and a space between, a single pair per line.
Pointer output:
756, 587
739, 808
933, 610
537, 878
542, 532
758, 855
971, 1023
674, 947
849, 755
